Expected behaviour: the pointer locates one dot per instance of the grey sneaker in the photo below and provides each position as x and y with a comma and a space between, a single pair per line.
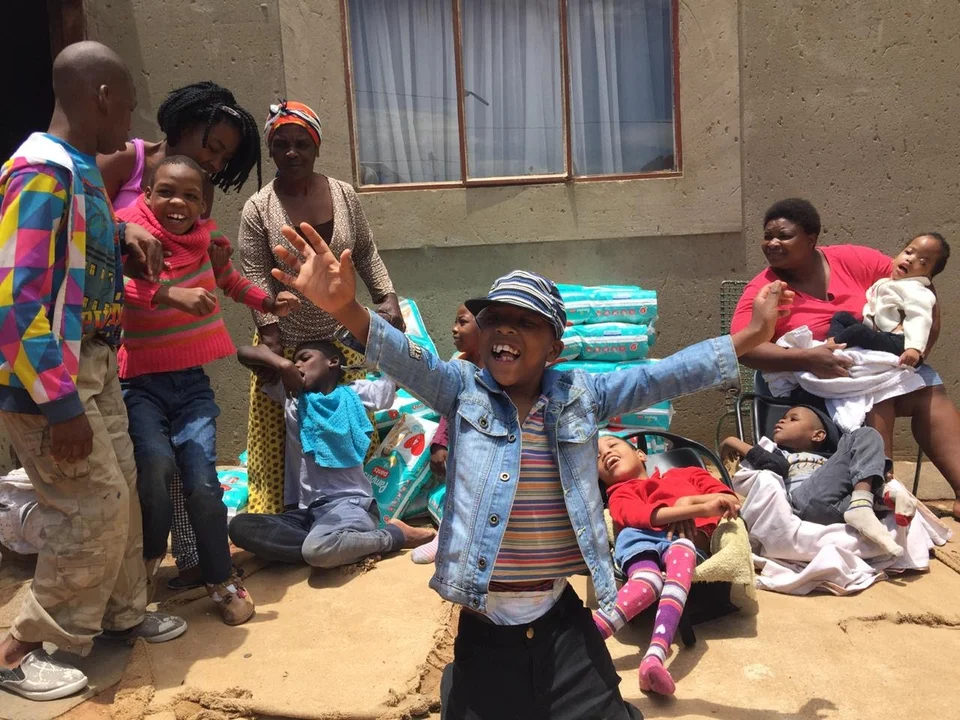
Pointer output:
156, 627
40, 677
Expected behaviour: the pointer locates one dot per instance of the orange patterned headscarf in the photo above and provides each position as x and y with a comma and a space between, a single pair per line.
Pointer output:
292, 113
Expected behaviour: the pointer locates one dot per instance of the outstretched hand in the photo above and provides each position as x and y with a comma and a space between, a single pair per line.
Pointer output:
328, 283
771, 303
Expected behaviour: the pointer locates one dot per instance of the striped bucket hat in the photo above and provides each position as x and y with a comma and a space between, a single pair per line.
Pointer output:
529, 291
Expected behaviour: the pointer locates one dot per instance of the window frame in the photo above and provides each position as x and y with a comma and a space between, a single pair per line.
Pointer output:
548, 179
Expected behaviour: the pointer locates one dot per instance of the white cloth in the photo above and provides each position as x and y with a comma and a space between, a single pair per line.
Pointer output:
908, 302
797, 557
874, 377
21, 523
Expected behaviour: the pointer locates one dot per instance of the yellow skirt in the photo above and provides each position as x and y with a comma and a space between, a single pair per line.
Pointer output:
266, 436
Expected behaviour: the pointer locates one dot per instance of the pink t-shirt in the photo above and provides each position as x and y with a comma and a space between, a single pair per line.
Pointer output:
853, 269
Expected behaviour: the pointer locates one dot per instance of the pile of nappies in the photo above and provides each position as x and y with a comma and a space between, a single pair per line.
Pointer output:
608, 323
612, 328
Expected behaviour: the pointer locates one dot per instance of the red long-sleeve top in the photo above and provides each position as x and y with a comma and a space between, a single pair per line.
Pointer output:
633, 502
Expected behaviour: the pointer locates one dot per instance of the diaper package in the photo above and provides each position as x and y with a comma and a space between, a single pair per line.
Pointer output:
400, 467
571, 345
657, 417
236, 492
419, 505
612, 342
436, 501
404, 404
416, 329
609, 303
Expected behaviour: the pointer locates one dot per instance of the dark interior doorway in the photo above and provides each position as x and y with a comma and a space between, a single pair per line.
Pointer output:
42, 30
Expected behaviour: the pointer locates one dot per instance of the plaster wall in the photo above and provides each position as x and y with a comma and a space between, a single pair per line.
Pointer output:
679, 236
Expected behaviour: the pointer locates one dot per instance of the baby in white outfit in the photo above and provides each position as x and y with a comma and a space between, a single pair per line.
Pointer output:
898, 314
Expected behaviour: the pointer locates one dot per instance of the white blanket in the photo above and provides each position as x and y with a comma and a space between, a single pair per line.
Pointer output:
874, 377
797, 557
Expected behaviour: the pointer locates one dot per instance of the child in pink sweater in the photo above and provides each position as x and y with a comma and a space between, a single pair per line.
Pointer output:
170, 330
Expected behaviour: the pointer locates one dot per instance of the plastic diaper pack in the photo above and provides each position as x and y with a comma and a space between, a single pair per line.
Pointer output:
609, 303
400, 467
612, 342
657, 417
404, 404
416, 329
435, 503
236, 492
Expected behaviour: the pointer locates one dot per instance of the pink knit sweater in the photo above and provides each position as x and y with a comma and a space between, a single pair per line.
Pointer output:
164, 339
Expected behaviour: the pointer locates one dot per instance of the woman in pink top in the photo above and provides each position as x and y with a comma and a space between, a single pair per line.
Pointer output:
202, 121
833, 279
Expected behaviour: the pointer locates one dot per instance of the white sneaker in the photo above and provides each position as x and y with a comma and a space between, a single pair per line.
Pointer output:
40, 677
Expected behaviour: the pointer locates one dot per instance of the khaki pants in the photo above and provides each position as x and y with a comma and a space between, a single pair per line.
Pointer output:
90, 574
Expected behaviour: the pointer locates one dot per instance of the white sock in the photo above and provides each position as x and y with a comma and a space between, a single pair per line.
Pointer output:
897, 498
863, 519
426, 554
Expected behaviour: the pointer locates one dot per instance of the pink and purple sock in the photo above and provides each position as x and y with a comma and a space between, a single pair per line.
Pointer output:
680, 561
643, 586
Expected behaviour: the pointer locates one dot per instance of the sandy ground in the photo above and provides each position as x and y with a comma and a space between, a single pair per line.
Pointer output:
892, 651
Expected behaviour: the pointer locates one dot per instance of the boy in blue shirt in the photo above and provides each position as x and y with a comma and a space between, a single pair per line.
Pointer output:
523, 508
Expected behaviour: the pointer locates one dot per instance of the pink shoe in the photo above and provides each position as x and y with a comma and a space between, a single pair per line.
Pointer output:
654, 677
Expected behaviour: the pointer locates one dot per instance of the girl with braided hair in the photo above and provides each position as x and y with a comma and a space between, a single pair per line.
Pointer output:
203, 122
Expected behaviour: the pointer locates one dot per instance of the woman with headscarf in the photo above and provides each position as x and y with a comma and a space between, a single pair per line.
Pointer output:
298, 195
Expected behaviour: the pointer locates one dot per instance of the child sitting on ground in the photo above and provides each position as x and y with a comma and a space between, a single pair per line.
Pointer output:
898, 314
524, 511
665, 523
328, 435
172, 328
831, 478
466, 338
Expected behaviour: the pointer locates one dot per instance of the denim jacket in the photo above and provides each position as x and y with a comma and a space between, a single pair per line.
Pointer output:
484, 446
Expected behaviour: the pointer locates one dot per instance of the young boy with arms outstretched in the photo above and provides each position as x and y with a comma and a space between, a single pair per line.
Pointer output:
328, 434
61, 296
665, 523
523, 510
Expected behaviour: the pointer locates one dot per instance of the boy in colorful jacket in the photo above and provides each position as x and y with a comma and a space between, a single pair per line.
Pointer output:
523, 510
61, 294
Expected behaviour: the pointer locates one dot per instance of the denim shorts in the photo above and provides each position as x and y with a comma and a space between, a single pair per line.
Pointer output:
632, 542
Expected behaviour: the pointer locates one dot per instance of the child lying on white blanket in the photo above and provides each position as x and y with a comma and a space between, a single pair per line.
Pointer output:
798, 557
830, 479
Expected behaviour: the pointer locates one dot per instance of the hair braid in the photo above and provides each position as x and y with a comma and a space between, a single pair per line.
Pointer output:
206, 104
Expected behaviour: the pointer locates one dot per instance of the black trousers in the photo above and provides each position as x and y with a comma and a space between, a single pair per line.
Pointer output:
555, 668
845, 328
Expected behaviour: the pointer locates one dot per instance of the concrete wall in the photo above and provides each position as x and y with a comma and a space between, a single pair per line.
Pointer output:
679, 236
175, 42
855, 106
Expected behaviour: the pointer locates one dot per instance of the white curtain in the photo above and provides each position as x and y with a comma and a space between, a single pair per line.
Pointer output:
405, 90
621, 68
511, 81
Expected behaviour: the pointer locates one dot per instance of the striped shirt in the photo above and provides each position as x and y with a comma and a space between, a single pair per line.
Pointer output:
539, 543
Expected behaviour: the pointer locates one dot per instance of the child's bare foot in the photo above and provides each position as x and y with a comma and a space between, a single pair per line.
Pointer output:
654, 677
413, 536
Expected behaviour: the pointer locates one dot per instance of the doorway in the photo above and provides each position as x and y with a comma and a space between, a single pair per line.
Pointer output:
43, 29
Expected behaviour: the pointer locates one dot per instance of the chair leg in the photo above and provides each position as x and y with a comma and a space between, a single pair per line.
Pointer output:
687, 635
916, 477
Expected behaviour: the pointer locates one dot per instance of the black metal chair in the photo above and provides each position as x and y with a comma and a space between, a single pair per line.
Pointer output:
706, 600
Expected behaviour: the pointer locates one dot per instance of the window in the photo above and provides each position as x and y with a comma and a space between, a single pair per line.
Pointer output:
502, 91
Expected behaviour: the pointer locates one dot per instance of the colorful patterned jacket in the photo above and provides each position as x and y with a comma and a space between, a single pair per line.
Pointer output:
41, 298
